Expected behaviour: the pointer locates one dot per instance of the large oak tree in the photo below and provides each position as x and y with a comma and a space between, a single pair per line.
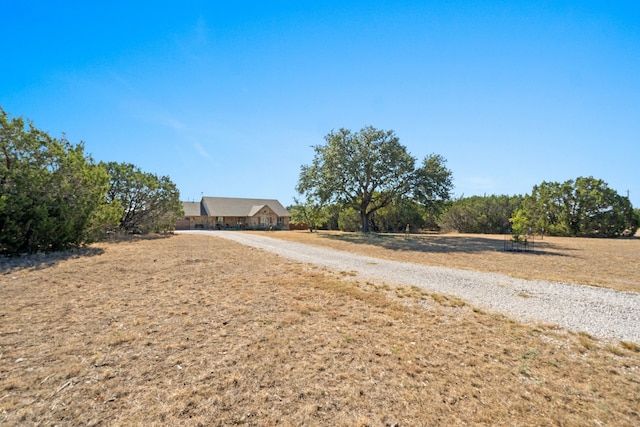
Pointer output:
369, 169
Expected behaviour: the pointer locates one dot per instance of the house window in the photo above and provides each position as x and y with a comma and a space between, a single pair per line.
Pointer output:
220, 219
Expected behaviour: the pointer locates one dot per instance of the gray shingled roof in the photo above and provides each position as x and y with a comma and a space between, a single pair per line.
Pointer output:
192, 209
229, 206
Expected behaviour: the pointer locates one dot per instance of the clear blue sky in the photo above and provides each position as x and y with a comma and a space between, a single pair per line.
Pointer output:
227, 97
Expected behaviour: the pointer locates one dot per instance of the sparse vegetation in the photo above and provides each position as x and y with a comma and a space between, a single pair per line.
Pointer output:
630, 346
192, 330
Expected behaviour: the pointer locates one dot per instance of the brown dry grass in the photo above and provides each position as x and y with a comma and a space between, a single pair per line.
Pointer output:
194, 330
611, 263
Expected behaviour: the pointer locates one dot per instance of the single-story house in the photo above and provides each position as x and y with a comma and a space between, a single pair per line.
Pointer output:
233, 213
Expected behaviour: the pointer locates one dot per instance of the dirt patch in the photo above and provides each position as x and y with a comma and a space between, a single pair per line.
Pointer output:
194, 330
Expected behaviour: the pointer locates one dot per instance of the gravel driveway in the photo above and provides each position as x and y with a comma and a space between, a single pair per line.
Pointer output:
601, 312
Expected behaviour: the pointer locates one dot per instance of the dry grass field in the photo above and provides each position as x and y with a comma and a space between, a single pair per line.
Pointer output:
195, 330
611, 263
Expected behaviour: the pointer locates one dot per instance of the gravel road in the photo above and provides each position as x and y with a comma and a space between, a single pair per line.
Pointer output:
601, 312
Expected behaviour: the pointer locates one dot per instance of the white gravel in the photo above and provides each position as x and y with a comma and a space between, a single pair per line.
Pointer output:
601, 312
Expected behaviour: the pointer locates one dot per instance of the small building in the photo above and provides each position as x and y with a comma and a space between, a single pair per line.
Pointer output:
234, 213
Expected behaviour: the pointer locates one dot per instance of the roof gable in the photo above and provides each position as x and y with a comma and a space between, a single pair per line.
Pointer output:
255, 209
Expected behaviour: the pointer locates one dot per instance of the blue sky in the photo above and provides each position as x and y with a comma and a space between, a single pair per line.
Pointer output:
227, 97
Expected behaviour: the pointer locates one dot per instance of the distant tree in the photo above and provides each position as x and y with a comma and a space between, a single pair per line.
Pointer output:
397, 215
349, 220
149, 203
481, 214
586, 207
333, 212
309, 212
367, 171
52, 195
433, 184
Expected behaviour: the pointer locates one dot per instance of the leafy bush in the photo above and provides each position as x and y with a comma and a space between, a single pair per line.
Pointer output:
395, 216
151, 204
54, 197
481, 214
52, 194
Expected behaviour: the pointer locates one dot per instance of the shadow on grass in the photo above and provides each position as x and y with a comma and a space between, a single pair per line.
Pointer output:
45, 260
433, 243
41, 261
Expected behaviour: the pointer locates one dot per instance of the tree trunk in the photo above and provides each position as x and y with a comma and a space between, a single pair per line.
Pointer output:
364, 217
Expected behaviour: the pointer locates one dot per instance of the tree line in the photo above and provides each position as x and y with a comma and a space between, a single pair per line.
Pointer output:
54, 196
368, 181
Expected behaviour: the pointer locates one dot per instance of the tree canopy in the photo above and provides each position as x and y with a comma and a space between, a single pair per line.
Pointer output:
149, 203
309, 212
585, 207
368, 170
52, 195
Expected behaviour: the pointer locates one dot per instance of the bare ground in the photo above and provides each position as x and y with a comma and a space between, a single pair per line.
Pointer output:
194, 330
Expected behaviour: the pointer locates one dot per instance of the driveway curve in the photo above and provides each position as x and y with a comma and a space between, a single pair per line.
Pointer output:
600, 312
